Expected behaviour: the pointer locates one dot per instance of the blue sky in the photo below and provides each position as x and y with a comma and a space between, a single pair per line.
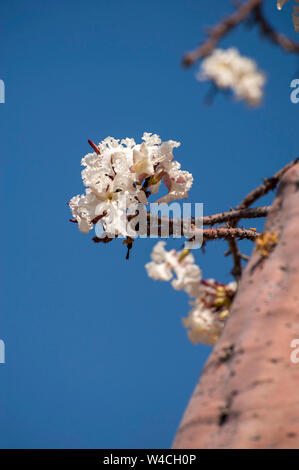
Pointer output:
96, 355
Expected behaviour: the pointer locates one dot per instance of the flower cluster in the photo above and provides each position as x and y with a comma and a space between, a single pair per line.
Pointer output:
165, 264
228, 69
211, 308
212, 299
120, 175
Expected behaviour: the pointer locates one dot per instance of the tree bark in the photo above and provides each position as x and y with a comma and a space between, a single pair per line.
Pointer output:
248, 394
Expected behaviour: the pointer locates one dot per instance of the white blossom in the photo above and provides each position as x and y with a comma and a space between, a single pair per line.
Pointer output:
211, 308
113, 178
143, 164
166, 264
178, 182
228, 69
202, 326
211, 300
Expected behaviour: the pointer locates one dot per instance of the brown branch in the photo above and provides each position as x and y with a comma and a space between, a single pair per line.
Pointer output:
268, 185
233, 217
229, 216
220, 30
277, 38
231, 233
230, 22
228, 233
237, 259
236, 215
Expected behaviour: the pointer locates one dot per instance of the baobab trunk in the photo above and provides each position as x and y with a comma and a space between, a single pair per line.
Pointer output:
248, 394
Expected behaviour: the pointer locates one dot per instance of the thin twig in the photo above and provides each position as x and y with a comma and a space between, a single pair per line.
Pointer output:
268, 185
162, 222
234, 251
230, 22
230, 216
94, 146
229, 233
277, 38
220, 30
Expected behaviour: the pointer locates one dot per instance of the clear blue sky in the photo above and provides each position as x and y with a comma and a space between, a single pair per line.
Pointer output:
96, 355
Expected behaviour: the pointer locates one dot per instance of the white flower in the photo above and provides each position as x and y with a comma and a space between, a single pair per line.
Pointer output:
143, 164
250, 88
202, 326
162, 264
177, 182
211, 308
83, 210
219, 67
113, 176
212, 299
228, 69
160, 271
166, 264
151, 139
280, 3
128, 142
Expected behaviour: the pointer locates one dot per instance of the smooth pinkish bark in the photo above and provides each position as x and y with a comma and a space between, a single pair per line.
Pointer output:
248, 394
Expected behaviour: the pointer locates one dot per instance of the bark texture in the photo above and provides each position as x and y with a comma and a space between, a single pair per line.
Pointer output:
248, 394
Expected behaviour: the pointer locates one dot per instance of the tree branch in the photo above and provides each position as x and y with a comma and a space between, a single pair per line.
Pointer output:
220, 30
236, 215
237, 259
268, 185
230, 22
229, 216
277, 38
229, 233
